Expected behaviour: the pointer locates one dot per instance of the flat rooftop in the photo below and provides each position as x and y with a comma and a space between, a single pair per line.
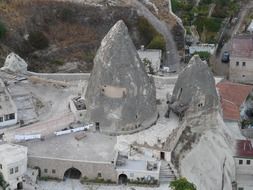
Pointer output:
135, 165
242, 46
10, 153
95, 147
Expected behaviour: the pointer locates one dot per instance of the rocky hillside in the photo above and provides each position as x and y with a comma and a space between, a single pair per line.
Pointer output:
57, 36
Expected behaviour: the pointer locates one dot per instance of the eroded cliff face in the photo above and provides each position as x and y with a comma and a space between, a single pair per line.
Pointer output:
208, 161
204, 153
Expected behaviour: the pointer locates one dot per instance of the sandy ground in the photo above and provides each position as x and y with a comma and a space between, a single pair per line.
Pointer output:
76, 185
54, 115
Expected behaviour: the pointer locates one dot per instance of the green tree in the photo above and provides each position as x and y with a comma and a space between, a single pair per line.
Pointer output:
182, 184
148, 64
2, 30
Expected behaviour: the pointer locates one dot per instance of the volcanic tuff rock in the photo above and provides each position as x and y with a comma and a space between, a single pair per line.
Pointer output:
15, 64
204, 151
120, 96
195, 89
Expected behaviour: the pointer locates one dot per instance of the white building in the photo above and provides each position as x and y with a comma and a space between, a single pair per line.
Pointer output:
210, 48
13, 164
244, 165
152, 55
8, 109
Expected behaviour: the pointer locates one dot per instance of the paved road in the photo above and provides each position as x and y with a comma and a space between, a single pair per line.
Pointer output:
172, 58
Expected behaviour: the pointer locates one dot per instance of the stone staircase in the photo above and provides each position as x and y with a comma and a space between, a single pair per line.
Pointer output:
167, 173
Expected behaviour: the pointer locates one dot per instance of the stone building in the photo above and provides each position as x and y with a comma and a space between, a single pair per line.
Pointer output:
120, 96
87, 158
13, 164
244, 165
241, 59
8, 109
69, 156
195, 90
151, 56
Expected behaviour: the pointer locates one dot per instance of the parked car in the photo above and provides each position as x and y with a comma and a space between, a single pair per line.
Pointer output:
225, 57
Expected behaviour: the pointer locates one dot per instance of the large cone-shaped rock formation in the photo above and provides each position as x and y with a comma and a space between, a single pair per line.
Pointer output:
203, 153
195, 89
120, 96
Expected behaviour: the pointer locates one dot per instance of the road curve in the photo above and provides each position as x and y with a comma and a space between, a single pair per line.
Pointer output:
172, 56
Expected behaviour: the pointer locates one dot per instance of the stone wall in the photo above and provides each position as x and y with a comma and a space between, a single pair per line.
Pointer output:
66, 77
240, 73
88, 169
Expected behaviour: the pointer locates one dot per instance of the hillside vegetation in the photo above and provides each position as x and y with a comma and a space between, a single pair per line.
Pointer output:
206, 15
48, 34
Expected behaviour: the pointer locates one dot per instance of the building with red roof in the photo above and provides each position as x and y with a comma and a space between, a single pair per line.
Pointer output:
244, 164
244, 149
241, 59
232, 95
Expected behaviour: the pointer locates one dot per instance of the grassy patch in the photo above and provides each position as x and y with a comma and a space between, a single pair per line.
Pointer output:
204, 55
157, 42
151, 38
3, 30
88, 56
57, 62
210, 24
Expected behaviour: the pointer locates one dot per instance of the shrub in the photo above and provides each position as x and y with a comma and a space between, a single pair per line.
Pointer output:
204, 55
157, 42
146, 30
38, 40
57, 62
2, 30
182, 184
3, 183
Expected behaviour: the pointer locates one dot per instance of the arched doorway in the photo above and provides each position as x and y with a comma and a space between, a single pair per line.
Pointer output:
72, 173
122, 179
39, 170
20, 185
